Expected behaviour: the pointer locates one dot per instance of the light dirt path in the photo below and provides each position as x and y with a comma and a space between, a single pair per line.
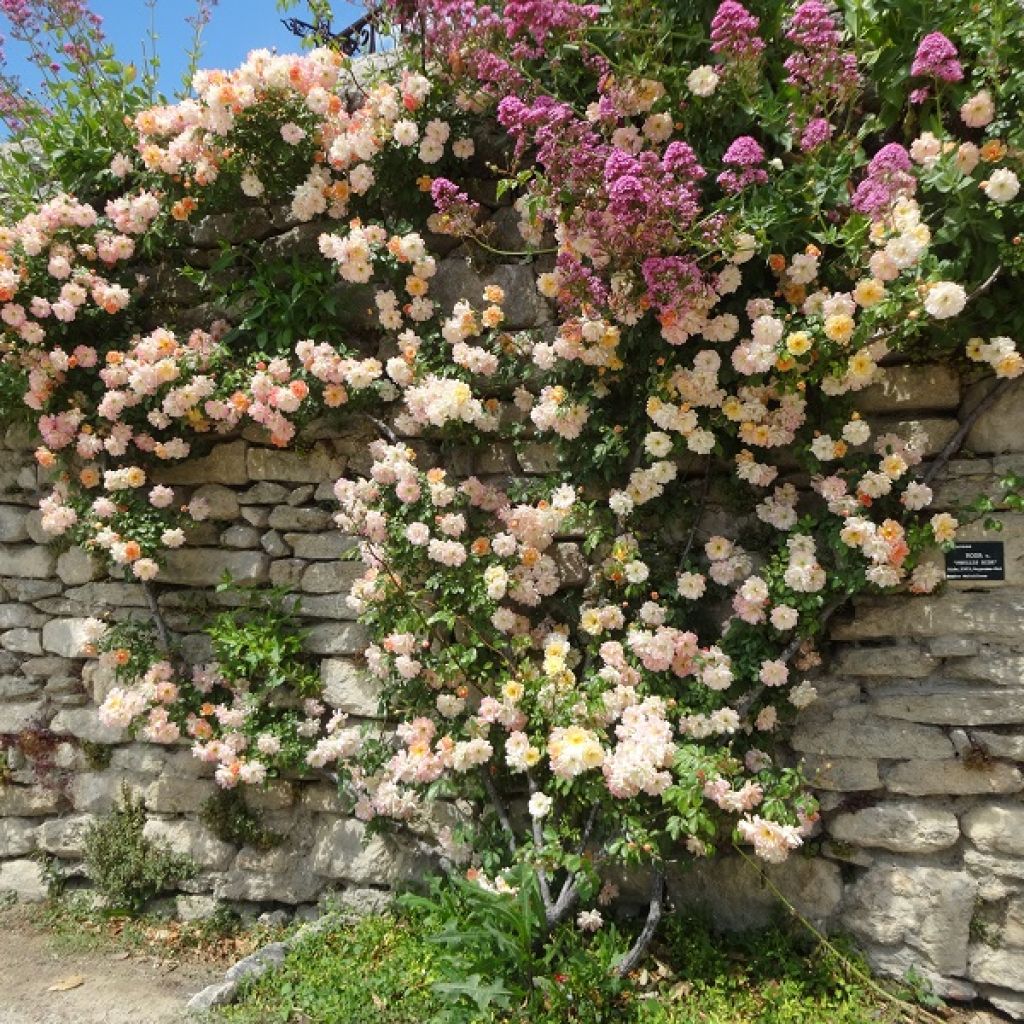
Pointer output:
116, 989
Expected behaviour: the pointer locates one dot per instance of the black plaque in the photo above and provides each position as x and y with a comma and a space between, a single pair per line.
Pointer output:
976, 560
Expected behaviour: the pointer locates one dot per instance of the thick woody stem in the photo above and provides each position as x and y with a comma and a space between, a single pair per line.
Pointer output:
499, 810
630, 961
158, 618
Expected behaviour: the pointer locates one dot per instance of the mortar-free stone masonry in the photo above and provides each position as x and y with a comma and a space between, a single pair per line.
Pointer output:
915, 744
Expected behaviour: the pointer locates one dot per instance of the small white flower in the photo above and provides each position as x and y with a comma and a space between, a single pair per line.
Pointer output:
540, 805
945, 299
702, 81
1002, 186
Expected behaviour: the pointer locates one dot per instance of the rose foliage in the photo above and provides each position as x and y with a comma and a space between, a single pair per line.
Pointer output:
735, 217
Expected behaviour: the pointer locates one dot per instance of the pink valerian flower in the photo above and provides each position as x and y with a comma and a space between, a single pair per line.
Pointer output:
816, 133
734, 33
819, 68
538, 19
937, 57
890, 177
746, 154
456, 212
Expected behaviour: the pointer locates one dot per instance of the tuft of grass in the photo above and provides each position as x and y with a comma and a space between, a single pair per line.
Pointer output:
385, 969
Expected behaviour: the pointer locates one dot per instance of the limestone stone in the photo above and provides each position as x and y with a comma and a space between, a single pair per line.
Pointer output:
276, 795
327, 606
84, 724
98, 597
300, 495
21, 641
349, 688
997, 744
321, 799
535, 457
98, 792
12, 524
1000, 428
891, 661
14, 687
28, 560
204, 567
28, 801
309, 520
34, 527
47, 666
225, 464
170, 795
320, 545
952, 705
257, 964
1010, 1002
12, 615
30, 589
898, 962
191, 839
934, 431
15, 718
855, 732
912, 388
1004, 967
68, 637
240, 537
65, 837
731, 890
143, 758
952, 777
250, 224
25, 879
17, 837
927, 908
314, 466
293, 883
256, 515
992, 615
899, 826
996, 827
952, 646
263, 493
456, 279
195, 907
287, 572
337, 638
76, 567
273, 543
330, 577
220, 993
343, 850
221, 501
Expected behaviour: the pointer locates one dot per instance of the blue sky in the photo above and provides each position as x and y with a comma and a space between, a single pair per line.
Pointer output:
237, 26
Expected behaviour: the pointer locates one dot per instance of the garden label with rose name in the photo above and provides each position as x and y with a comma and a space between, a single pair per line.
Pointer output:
976, 560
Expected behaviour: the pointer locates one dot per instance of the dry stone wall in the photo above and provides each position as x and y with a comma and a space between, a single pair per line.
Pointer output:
915, 746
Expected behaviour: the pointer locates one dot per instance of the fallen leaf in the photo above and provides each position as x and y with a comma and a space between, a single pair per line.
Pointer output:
68, 983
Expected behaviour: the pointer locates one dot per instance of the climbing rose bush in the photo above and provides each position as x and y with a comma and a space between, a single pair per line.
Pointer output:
731, 233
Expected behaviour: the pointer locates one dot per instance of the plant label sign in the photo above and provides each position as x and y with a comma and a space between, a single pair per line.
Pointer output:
976, 560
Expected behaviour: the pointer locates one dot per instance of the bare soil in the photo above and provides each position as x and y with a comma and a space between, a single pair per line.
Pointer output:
100, 986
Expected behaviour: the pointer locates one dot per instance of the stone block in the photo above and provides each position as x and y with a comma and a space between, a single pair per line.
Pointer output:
342, 850
76, 567
731, 891
191, 839
204, 567
273, 543
1000, 428
997, 744
27, 560
25, 879
256, 515
337, 638
225, 464
241, 537
17, 836
912, 388
891, 661
996, 827
12, 524
927, 908
28, 801
306, 520
934, 431
952, 778
349, 688
312, 467
992, 615
535, 457
899, 826
856, 732
220, 500
456, 279
65, 837
84, 724
21, 641
321, 546
952, 705
287, 572
327, 606
263, 493
196, 907
1004, 967
12, 615
15, 718
67, 637
98, 597
170, 795
98, 792
330, 577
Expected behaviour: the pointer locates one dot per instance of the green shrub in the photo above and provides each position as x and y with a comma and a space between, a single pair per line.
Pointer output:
232, 820
127, 868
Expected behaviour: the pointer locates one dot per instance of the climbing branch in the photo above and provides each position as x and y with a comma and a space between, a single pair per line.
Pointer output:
654, 911
162, 631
